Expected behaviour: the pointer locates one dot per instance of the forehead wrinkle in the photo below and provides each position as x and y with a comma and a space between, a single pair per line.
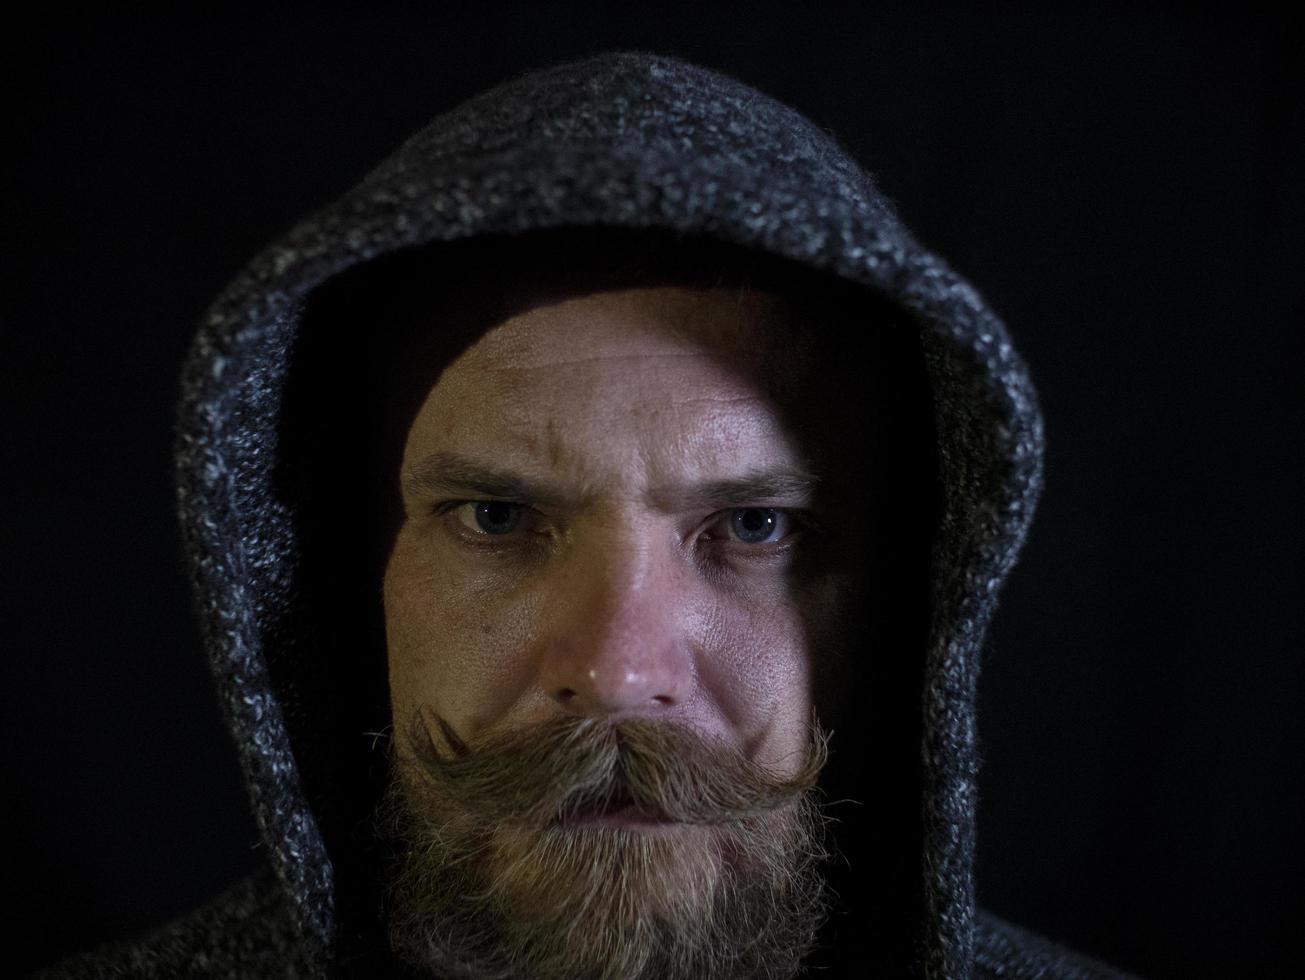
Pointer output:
660, 384
486, 363
702, 424
677, 330
712, 421
724, 381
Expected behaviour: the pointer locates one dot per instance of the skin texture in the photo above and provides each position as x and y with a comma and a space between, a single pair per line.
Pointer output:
617, 605
621, 596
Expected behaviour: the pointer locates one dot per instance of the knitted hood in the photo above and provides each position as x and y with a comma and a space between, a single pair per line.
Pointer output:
625, 141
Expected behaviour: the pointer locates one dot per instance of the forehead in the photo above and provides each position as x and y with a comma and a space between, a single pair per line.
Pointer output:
661, 376
738, 327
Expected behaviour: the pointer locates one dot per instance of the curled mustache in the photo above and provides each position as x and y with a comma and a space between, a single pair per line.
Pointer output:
546, 774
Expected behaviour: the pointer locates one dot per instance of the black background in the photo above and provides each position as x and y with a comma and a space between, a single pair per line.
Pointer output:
1123, 187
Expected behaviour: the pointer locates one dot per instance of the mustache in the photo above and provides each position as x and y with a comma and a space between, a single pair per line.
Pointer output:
547, 773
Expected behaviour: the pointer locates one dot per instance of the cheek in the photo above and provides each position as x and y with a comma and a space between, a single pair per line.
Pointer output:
456, 643
757, 667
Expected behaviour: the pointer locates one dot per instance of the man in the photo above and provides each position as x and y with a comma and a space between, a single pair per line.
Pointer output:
560, 501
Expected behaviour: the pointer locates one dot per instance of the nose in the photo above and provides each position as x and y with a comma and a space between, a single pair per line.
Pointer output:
618, 642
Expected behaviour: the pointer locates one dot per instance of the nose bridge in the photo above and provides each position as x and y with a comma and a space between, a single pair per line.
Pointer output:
618, 642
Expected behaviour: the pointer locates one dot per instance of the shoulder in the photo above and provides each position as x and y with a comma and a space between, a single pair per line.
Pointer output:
245, 932
1004, 951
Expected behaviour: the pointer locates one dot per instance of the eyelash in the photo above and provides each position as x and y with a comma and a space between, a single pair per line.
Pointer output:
799, 521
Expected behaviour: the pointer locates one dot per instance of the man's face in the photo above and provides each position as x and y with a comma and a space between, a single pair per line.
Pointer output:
599, 614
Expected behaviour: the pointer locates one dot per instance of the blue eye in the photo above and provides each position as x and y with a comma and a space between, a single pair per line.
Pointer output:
497, 516
758, 525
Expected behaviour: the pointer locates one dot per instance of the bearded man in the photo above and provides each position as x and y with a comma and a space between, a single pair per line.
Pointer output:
595, 517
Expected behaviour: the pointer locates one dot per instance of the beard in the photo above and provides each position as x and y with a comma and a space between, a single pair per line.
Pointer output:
498, 869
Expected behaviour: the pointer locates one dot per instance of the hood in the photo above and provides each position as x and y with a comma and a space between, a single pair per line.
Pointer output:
628, 141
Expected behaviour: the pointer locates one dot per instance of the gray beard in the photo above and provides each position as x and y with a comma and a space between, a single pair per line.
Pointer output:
730, 890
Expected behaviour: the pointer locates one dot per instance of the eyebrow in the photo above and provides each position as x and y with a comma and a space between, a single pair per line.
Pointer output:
788, 484
453, 473
458, 475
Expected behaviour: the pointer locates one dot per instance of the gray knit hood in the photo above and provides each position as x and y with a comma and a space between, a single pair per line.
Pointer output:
623, 141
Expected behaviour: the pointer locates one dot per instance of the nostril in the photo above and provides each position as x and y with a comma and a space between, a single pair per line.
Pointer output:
602, 681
